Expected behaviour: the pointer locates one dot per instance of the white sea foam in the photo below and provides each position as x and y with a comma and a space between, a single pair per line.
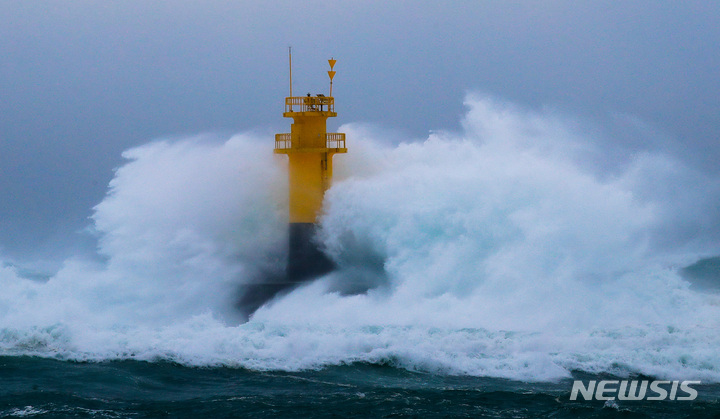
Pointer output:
504, 250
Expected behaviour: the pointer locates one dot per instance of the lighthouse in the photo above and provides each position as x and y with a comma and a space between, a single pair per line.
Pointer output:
310, 149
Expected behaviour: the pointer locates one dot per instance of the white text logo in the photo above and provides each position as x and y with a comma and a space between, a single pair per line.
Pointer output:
634, 390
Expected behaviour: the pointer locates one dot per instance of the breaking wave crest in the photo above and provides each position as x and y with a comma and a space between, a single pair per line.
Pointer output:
519, 248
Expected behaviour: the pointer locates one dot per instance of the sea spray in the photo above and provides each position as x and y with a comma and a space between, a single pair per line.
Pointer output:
498, 251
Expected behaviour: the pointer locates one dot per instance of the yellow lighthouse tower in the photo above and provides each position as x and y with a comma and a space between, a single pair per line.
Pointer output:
310, 149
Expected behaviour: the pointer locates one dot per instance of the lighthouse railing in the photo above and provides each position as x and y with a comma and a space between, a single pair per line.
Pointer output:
309, 104
334, 140
283, 141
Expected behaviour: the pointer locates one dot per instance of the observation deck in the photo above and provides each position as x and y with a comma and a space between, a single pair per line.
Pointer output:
331, 142
309, 105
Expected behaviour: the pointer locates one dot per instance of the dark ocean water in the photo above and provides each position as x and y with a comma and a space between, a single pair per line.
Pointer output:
43, 388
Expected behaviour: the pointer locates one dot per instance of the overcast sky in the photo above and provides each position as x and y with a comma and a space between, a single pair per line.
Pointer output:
81, 81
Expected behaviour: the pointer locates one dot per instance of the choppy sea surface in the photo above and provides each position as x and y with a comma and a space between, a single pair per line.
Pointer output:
478, 274
36, 387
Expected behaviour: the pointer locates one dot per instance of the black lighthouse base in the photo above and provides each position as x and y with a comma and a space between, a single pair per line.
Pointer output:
305, 262
305, 259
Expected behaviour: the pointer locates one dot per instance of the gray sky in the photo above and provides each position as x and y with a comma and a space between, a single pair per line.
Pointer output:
81, 81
